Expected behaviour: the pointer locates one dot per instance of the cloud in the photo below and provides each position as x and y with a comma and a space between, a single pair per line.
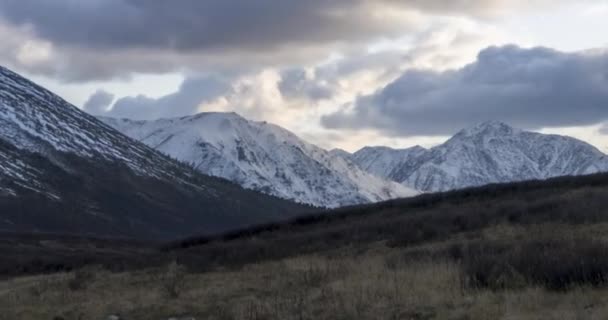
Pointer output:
529, 88
296, 97
191, 24
104, 39
297, 83
220, 24
187, 100
256, 96
98, 102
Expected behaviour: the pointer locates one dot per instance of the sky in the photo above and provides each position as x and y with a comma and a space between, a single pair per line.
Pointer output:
340, 74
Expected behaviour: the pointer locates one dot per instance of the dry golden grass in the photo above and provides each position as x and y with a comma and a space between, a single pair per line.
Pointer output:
539, 245
368, 283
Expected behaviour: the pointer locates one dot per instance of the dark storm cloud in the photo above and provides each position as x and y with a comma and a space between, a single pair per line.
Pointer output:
216, 24
105, 39
529, 88
190, 24
98, 102
185, 101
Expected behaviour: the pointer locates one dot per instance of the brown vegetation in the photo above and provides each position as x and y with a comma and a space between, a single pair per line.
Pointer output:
432, 280
518, 251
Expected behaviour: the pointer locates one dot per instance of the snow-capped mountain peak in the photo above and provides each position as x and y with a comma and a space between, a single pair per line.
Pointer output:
383, 161
490, 152
262, 156
488, 129
340, 153
64, 171
34, 119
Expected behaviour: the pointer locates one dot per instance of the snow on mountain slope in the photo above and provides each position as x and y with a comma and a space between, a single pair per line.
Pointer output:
340, 153
263, 157
34, 119
491, 152
381, 161
64, 171
15, 171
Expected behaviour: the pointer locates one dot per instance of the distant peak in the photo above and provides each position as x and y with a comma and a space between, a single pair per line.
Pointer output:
231, 114
416, 148
6, 70
201, 115
375, 148
493, 124
488, 128
340, 152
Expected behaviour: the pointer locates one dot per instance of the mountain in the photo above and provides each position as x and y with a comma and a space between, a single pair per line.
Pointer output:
340, 153
64, 171
381, 161
490, 152
263, 157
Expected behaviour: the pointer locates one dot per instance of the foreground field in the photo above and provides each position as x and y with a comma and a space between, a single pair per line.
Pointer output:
427, 281
533, 250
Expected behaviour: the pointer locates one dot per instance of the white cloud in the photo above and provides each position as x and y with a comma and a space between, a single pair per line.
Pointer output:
367, 45
529, 88
297, 98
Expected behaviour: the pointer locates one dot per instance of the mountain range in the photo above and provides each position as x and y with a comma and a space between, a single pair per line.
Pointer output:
491, 152
270, 159
262, 157
64, 171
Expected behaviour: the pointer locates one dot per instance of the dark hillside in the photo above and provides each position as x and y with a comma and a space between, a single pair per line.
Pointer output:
105, 198
399, 223
64, 171
429, 217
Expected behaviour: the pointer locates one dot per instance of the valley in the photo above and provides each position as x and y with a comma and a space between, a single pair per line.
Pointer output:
213, 216
499, 251
303, 160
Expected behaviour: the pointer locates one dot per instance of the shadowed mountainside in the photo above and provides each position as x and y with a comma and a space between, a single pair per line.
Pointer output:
64, 171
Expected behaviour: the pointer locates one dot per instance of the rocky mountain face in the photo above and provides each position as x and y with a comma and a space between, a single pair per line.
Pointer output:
491, 152
64, 171
262, 157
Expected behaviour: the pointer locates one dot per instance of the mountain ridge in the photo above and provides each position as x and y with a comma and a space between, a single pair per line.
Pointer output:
490, 152
64, 171
263, 157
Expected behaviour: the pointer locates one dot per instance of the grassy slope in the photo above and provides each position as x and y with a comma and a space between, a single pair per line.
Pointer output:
516, 251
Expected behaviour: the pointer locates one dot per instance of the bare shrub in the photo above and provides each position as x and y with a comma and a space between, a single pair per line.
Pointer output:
255, 311
40, 288
222, 311
82, 278
173, 280
556, 264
